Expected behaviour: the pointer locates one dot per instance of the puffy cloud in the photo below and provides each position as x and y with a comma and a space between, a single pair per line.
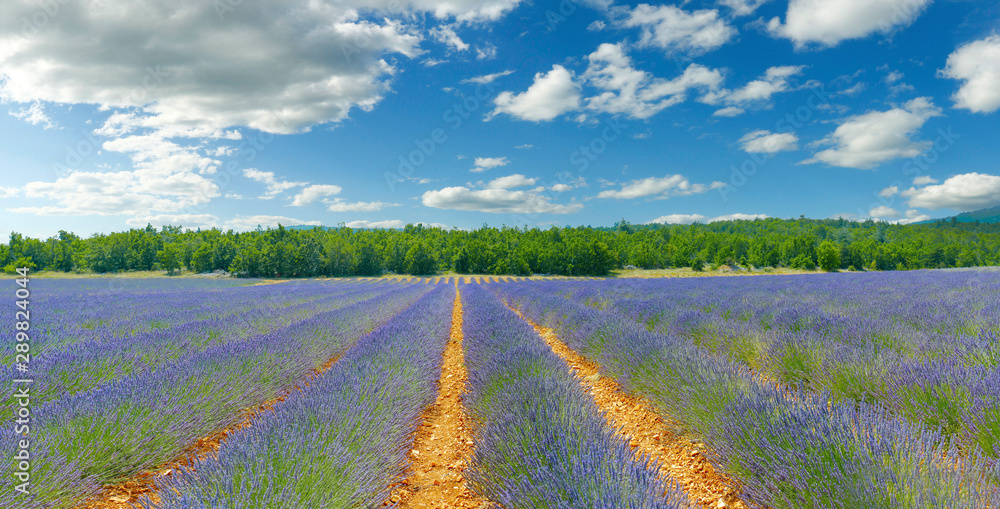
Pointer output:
828, 22
311, 193
891, 215
913, 216
274, 186
487, 51
766, 142
730, 111
977, 65
923, 180
34, 115
678, 31
865, 141
9, 192
679, 219
636, 93
659, 187
883, 212
192, 221
119, 193
387, 224
179, 63
510, 182
499, 201
487, 163
743, 7
624, 89
446, 35
698, 218
551, 95
757, 92
739, 216
969, 191
488, 78
338, 205
390, 224
889, 191
246, 223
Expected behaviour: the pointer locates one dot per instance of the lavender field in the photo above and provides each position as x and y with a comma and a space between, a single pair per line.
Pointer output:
808, 391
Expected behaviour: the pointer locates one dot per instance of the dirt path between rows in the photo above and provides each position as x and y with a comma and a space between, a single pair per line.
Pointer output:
128, 494
647, 432
443, 444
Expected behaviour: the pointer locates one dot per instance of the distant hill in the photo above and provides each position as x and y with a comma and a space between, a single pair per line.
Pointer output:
990, 215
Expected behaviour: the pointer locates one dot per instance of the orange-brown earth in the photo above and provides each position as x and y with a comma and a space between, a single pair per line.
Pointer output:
127, 494
443, 444
681, 460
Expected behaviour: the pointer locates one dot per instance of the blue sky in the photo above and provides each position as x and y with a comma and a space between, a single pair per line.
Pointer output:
464, 112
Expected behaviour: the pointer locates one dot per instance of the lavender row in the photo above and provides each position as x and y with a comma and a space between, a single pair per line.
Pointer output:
66, 312
342, 441
924, 344
540, 441
784, 449
85, 365
108, 434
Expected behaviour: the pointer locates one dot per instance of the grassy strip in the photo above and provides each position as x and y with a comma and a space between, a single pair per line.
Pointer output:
541, 442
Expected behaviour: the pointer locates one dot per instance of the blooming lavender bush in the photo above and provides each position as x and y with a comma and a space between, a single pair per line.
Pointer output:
86, 364
106, 434
787, 448
857, 337
540, 441
341, 441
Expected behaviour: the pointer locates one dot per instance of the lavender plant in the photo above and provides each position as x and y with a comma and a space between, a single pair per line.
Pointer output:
541, 442
340, 442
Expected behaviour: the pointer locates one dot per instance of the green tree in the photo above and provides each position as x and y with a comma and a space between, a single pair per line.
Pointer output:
24, 261
829, 256
698, 265
169, 258
202, 258
420, 261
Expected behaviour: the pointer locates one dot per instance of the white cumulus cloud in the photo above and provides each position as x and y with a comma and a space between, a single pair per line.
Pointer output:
313, 193
487, 78
742, 7
675, 30
274, 185
499, 201
551, 95
192, 221
755, 93
339, 205
246, 223
446, 35
698, 218
510, 182
658, 187
828, 22
34, 115
969, 191
867, 140
486, 163
977, 65
766, 142
636, 93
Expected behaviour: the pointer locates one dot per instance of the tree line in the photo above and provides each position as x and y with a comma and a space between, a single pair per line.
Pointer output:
572, 251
